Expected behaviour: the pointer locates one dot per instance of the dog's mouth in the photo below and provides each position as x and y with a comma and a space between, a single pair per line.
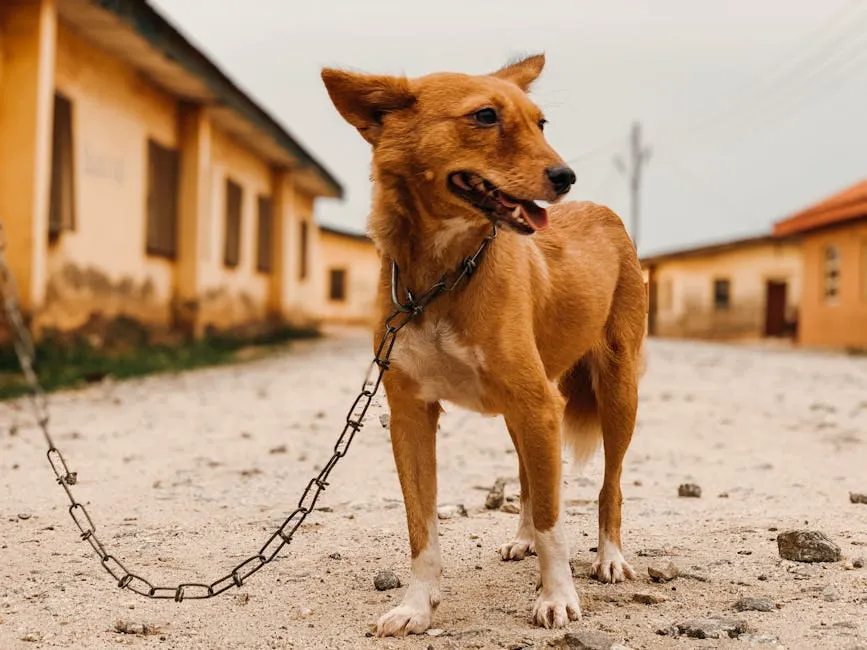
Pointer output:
523, 216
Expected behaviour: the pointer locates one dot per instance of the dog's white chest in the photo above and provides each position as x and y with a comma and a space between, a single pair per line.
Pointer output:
443, 367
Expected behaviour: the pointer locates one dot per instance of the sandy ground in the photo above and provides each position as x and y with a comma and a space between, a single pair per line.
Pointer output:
186, 475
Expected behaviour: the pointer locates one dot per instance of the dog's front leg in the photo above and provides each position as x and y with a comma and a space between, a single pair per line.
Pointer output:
413, 440
535, 419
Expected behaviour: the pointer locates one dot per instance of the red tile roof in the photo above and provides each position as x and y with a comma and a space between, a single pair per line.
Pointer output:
849, 204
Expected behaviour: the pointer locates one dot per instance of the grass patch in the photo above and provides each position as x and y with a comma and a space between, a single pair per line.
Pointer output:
73, 363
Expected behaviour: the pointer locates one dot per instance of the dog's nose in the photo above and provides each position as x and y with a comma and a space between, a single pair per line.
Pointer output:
561, 177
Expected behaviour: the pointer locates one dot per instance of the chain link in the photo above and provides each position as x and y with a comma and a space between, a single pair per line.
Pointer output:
24, 348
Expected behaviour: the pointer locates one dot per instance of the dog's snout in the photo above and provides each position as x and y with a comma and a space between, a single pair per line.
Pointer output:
561, 177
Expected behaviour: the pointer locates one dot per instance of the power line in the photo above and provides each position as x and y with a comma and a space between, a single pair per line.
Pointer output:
639, 154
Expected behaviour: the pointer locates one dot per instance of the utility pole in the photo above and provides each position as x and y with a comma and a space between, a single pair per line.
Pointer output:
639, 154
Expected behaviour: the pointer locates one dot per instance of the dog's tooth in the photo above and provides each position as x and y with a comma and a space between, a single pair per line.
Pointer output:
516, 213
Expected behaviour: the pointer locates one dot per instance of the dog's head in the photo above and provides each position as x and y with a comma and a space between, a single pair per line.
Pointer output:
464, 145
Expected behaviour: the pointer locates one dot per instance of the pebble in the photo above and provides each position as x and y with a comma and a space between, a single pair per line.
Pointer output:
858, 563
857, 497
24, 515
450, 510
803, 572
304, 612
755, 605
280, 449
336, 556
139, 629
435, 631
32, 638
511, 508
385, 420
662, 572
386, 580
689, 490
649, 599
807, 546
496, 497
756, 639
586, 640
713, 627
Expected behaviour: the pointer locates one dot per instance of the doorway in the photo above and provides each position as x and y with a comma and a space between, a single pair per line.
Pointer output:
775, 308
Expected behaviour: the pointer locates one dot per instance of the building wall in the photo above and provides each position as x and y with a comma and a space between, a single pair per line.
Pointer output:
234, 295
361, 263
100, 265
840, 322
685, 291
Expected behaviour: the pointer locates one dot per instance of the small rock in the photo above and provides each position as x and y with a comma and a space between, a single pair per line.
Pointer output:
652, 552
496, 497
663, 572
649, 599
243, 598
24, 515
584, 641
451, 510
385, 420
335, 556
807, 546
763, 577
304, 612
280, 449
139, 629
32, 637
435, 631
858, 563
857, 497
386, 580
511, 508
723, 495
689, 490
755, 605
713, 627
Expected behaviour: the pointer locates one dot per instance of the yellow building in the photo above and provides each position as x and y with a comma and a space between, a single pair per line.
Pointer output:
834, 236
136, 179
351, 268
743, 289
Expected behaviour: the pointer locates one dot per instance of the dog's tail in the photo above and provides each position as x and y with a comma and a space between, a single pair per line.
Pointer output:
582, 428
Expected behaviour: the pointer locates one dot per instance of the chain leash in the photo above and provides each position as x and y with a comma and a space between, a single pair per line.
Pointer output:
405, 312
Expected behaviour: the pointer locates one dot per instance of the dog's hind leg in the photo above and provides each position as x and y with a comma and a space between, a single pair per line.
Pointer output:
413, 440
615, 374
524, 543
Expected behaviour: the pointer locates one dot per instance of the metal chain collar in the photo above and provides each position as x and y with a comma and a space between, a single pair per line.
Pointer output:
405, 313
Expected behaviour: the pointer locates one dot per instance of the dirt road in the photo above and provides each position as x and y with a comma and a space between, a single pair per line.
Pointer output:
187, 475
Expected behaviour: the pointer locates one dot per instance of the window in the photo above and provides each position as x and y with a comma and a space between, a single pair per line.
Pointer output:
232, 247
831, 286
721, 294
162, 200
263, 242
337, 285
61, 210
302, 257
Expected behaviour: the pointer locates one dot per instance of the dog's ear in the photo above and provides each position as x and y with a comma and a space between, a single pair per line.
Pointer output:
523, 72
364, 100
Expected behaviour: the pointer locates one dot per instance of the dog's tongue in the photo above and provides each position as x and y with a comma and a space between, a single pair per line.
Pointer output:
536, 215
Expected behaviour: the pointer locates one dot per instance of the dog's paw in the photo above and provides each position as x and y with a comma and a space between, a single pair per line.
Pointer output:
517, 549
610, 565
404, 619
556, 610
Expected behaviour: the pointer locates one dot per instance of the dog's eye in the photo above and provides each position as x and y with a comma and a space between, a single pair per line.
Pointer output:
542, 124
486, 117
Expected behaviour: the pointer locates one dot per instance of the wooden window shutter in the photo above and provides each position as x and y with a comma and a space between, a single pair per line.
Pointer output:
61, 211
264, 235
234, 199
162, 201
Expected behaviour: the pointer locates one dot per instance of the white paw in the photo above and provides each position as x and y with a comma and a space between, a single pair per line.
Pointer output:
557, 609
610, 566
518, 549
404, 619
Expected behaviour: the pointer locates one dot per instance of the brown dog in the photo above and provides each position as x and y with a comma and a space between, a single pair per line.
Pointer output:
548, 331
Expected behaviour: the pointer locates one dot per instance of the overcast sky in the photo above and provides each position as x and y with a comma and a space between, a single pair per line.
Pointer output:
753, 109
